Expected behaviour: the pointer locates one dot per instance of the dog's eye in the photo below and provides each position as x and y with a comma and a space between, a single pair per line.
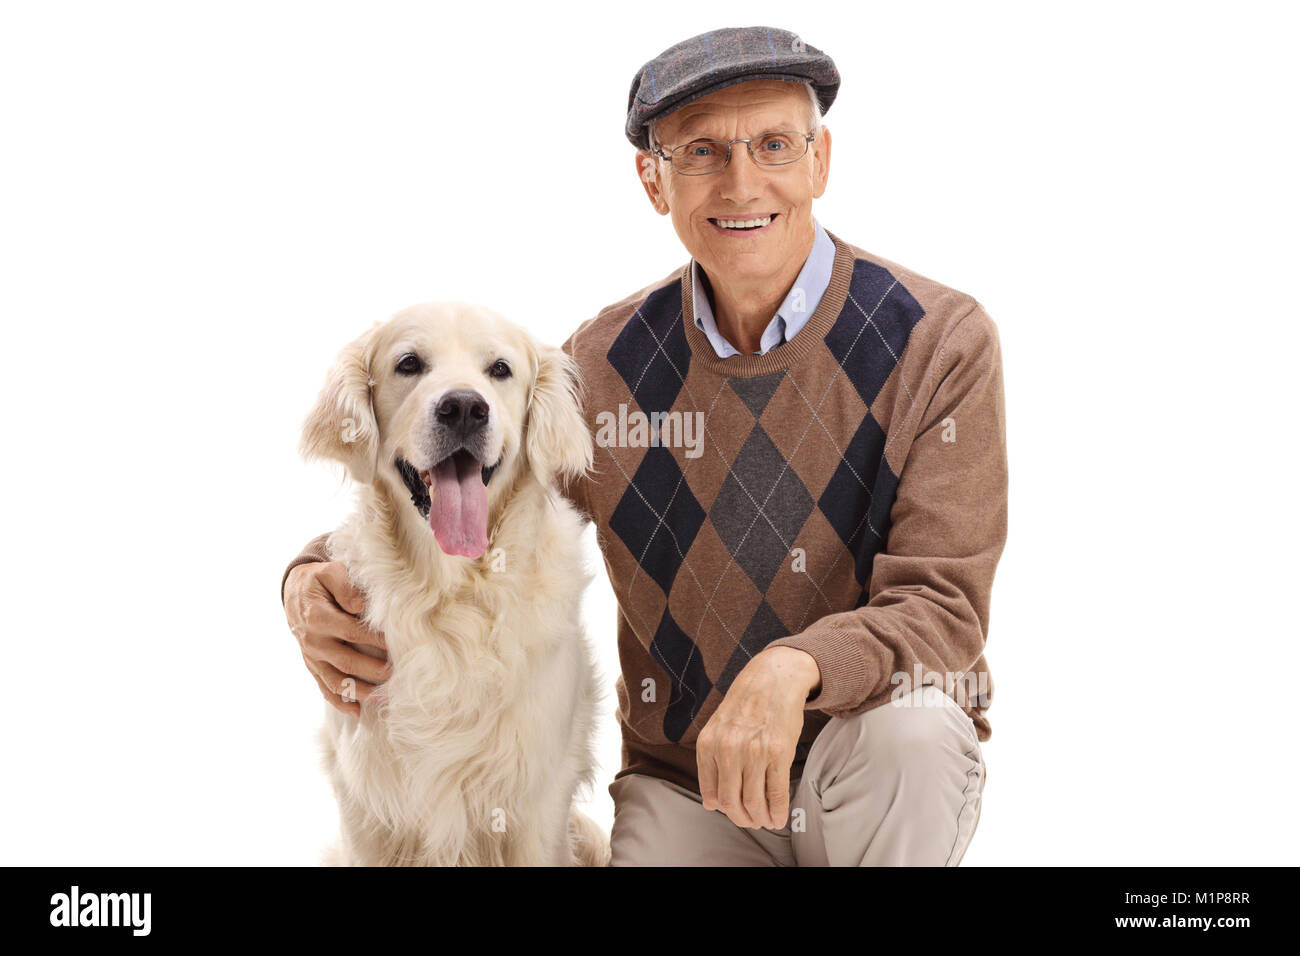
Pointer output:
409, 364
499, 369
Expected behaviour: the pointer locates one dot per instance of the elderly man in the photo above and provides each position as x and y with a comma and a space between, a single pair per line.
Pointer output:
804, 538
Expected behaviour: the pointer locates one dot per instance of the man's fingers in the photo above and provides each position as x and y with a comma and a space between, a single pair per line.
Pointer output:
351, 661
708, 775
362, 633
778, 793
345, 604
352, 708
330, 626
345, 685
334, 576
754, 791
730, 771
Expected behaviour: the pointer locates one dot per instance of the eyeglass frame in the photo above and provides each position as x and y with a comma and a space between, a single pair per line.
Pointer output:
749, 148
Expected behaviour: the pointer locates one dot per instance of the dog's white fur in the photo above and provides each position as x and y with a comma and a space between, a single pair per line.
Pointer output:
471, 753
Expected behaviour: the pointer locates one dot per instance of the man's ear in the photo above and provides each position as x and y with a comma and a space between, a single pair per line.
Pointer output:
648, 167
342, 426
821, 149
557, 442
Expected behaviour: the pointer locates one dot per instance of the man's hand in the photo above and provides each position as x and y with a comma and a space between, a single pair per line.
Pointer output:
745, 751
322, 607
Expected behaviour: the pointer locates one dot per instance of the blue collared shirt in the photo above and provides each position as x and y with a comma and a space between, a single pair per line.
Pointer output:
793, 313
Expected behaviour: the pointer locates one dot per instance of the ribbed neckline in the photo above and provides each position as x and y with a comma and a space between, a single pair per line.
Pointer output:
790, 351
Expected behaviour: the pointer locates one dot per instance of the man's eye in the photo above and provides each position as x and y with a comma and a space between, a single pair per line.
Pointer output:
409, 364
774, 145
500, 369
701, 149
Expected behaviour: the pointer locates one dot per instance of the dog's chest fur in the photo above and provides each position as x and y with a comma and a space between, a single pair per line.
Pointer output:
487, 661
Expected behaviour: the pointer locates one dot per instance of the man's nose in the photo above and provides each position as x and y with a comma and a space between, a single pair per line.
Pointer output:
740, 178
462, 412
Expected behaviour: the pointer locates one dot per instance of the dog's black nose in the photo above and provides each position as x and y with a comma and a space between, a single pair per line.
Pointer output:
462, 412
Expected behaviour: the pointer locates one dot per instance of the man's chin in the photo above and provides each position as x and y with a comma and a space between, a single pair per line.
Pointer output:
746, 261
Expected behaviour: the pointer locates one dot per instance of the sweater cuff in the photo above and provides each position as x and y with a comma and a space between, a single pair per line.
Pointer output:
314, 552
844, 669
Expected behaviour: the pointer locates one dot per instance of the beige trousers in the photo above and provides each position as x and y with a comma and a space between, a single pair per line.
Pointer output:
896, 786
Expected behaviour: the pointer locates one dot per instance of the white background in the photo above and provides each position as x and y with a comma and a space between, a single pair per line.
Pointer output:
201, 203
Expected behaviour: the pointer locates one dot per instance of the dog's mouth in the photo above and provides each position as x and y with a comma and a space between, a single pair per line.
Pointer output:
461, 461
452, 495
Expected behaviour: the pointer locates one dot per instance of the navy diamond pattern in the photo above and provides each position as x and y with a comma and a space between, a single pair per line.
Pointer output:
651, 353
677, 654
658, 533
764, 627
857, 344
849, 496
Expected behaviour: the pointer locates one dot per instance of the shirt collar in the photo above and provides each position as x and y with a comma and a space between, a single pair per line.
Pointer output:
793, 312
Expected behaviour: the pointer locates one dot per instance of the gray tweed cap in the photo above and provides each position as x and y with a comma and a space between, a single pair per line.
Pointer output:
698, 66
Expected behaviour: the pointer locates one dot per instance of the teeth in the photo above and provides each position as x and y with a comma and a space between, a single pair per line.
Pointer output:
743, 223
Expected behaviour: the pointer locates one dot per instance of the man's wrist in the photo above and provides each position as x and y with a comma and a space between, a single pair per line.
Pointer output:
804, 672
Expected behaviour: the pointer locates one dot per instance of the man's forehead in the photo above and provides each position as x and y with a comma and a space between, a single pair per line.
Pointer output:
753, 102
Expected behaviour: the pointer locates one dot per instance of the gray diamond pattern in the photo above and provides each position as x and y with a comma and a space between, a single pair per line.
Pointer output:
757, 514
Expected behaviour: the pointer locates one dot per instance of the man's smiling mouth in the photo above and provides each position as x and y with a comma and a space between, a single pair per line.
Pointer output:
743, 224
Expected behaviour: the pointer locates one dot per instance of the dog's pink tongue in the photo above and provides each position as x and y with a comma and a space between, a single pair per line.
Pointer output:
458, 514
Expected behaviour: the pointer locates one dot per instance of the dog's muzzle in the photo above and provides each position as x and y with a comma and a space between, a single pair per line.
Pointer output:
451, 491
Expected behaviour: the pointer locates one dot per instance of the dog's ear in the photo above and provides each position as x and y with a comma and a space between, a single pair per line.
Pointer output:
557, 442
342, 426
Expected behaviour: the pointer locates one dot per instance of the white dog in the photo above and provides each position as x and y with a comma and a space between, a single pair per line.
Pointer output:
457, 426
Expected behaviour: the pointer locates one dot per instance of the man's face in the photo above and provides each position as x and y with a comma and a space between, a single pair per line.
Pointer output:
742, 190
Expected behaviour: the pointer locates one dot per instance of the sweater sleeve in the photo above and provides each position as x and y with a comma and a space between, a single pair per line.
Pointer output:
930, 587
575, 489
314, 550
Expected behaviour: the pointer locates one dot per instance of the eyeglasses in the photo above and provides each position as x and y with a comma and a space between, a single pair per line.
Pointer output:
706, 156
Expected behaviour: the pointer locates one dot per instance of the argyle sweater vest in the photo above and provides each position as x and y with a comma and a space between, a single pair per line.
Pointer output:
844, 493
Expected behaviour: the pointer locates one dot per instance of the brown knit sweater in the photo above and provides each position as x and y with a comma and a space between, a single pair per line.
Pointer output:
844, 493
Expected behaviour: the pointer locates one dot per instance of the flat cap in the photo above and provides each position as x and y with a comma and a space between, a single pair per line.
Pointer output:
708, 62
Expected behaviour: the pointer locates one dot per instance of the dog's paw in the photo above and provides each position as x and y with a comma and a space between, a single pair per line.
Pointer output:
588, 841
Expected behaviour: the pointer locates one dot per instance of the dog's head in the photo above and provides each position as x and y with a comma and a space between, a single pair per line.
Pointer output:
451, 405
